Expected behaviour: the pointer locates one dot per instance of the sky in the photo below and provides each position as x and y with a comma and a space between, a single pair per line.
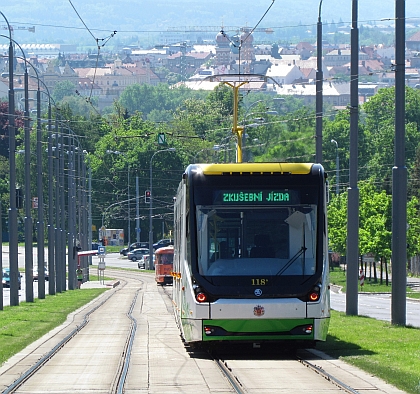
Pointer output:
66, 19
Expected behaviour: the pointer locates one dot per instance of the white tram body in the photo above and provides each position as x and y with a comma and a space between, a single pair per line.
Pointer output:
251, 255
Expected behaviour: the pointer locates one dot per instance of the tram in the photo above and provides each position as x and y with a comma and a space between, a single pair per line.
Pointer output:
163, 265
251, 254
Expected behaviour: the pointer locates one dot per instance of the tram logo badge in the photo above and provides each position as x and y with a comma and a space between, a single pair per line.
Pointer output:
259, 310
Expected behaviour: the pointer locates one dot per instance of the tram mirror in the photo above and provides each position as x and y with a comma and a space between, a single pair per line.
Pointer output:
296, 219
211, 213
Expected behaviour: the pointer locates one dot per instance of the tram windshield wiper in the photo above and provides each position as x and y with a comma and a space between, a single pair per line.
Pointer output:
299, 253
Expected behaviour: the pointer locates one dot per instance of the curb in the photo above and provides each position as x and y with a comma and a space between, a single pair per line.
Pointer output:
113, 284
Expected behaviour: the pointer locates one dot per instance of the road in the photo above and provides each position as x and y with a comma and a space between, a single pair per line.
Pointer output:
378, 306
111, 260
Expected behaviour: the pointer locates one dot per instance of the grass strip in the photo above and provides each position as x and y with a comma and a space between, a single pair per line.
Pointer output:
22, 325
389, 352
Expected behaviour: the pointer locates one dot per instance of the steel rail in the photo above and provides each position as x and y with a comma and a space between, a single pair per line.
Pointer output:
43, 360
328, 376
232, 379
129, 346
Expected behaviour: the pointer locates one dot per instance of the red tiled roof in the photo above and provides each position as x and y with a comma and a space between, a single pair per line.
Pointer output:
415, 37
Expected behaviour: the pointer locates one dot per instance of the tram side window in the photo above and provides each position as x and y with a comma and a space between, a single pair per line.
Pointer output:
188, 238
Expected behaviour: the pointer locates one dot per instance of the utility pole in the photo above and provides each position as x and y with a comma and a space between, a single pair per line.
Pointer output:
353, 191
137, 211
399, 177
318, 85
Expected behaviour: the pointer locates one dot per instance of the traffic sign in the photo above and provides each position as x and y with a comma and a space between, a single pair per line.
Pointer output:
161, 139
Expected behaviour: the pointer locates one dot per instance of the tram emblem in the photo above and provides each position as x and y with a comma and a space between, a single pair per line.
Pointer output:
258, 292
259, 310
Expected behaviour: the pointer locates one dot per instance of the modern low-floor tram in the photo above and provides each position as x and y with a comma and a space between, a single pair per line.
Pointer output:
250, 254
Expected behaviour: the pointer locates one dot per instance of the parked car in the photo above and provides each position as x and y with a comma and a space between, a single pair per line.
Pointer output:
35, 273
162, 243
135, 245
5, 278
142, 264
137, 254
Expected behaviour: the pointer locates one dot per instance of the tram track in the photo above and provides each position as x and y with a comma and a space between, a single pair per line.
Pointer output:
272, 369
242, 378
25, 376
157, 347
126, 354
329, 377
82, 322
236, 381
233, 375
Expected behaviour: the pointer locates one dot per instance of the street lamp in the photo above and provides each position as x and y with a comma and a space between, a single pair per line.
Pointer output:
28, 218
13, 230
28, 223
52, 231
337, 167
150, 262
40, 192
61, 214
12, 213
89, 247
28, 198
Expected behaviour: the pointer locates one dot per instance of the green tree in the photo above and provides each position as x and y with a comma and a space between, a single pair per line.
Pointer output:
291, 138
221, 98
79, 106
147, 98
375, 222
63, 89
379, 126
414, 176
128, 148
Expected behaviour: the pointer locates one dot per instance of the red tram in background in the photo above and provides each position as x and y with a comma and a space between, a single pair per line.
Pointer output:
163, 265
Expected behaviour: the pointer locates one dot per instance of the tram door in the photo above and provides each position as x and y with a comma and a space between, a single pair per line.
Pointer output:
164, 265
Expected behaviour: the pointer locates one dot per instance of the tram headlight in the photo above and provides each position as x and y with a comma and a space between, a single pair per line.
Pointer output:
314, 294
200, 295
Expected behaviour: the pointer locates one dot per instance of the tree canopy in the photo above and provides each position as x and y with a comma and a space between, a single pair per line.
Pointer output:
119, 146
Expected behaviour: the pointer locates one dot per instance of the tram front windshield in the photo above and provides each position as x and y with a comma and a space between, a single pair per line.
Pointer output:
256, 239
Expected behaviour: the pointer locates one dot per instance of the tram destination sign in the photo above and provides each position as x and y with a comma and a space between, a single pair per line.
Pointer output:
256, 197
